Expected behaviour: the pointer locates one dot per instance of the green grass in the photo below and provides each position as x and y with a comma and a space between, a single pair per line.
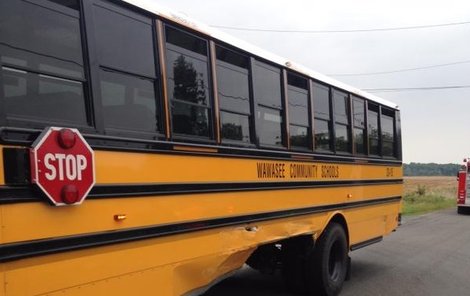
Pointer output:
427, 194
414, 203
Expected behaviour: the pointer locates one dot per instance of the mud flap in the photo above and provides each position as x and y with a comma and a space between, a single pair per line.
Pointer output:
348, 271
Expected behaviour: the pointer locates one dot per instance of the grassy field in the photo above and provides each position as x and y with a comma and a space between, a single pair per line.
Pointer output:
427, 194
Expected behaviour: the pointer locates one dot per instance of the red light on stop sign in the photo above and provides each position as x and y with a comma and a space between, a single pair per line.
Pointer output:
69, 194
66, 138
62, 165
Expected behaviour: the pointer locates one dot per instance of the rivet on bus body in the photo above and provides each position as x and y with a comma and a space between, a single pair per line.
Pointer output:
120, 217
251, 228
66, 138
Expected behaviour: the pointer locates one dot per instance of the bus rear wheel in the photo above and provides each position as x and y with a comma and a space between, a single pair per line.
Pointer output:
316, 268
327, 267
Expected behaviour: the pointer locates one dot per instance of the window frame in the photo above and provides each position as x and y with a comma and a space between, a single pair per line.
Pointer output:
251, 115
347, 97
379, 131
307, 92
382, 140
329, 121
95, 67
354, 126
256, 62
92, 92
211, 138
86, 81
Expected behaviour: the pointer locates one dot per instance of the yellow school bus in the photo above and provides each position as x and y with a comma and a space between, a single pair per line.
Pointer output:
205, 153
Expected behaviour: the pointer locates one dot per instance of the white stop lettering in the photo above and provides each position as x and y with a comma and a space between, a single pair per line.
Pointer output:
61, 165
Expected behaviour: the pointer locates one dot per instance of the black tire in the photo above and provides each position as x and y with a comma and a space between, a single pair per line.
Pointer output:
294, 256
463, 210
328, 264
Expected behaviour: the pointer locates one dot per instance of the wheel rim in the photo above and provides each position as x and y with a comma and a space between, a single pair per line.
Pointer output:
335, 261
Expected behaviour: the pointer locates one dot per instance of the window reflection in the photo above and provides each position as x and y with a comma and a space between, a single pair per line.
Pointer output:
359, 137
234, 95
190, 119
299, 136
322, 135
235, 127
387, 125
297, 94
128, 102
342, 125
270, 126
373, 120
268, 97
189, 79
342, 138
188, 83
189, 86
322, 122
359, 125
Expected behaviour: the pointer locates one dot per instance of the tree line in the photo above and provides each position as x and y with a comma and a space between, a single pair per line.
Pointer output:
430, 169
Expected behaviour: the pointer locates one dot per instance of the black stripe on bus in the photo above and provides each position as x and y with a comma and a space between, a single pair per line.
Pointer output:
20, 250
25, 137
28, 194
366, 243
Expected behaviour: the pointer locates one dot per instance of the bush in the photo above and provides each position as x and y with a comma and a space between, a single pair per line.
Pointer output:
421, 190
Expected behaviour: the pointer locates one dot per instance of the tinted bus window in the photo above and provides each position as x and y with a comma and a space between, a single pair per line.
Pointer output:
359, 125
268, 97
321, 101
42, 74
188, 83
234, 95
322, 135
128, 102
268, 86
127, 76
297, 93
388, 135
322, 124
124, 42
341, 110
373, 129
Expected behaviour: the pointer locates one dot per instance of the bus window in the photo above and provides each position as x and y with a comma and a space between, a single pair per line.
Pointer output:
234, 95
188, 83
359, 125
127, 76
373, 129
297, 92
42, 74
267, 91
388, 135
341, 110
322, 110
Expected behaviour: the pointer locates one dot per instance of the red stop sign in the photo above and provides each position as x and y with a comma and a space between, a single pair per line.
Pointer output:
62, 165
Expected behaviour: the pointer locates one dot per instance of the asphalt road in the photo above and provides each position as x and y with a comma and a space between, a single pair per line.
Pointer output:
428, 255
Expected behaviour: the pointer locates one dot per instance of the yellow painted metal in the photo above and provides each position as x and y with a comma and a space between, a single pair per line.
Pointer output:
172, 265
179, 264
127, 168
151, 168
98, 215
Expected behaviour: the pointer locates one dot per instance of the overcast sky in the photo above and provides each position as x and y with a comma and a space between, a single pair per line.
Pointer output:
435, 123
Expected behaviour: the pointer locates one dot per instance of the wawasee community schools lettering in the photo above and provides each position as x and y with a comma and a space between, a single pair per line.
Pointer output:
278, 170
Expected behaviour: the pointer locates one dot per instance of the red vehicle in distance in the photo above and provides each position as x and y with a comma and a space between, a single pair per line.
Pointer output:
463, 192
